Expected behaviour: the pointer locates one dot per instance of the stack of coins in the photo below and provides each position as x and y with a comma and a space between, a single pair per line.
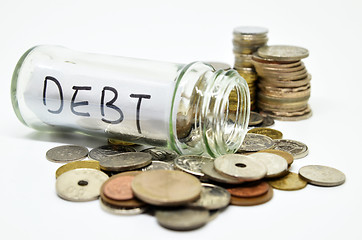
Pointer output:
246, 41
284, 83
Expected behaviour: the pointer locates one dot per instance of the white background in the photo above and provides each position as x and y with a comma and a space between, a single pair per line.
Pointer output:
185, 31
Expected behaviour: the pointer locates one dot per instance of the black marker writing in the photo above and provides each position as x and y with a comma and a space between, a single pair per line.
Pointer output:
139, 96
48, 78
110, 104
76, 104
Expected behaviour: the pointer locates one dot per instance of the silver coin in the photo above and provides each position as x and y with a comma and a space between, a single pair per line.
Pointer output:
275, 164
182, 219
192, 164
240, 166
125, 161
297, 149
107, 151
267, 122
283, 52
210, 172
212, 197
121, 211
255, 119
322, 175
66, 153
161, 154
256, 142
157, 165
250, 30
82, 184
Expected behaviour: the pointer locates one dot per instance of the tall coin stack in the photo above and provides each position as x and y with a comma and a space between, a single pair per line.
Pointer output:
284, 83
246, 41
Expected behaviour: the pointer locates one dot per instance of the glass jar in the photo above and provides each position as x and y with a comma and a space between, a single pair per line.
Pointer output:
193, 108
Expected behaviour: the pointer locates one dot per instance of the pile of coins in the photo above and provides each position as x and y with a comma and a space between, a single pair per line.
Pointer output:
184, 192
284, 83
246, 41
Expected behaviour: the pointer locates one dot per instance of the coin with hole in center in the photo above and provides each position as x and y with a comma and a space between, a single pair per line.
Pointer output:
322, 175
66, 153
82, 184
210, 172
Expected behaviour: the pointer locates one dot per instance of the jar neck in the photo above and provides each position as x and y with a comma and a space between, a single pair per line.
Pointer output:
213, 111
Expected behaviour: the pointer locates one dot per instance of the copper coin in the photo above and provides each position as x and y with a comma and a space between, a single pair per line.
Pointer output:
287, 156
119, 188
251, 201
250, 190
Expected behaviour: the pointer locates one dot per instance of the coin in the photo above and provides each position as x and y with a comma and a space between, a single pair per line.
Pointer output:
166, 187
121, 210
125, 161
297, 149
267, 121
250, 30
210, 172
287, 156
272, 133
322, 175
77, 164
290, 182
107, 151
212, 197
192, 163
249, 190
82, 184
161, 154
119, 142
283, 52
66, 153
256, 142
240, 166
275, 164
157, 165
255, 119
251, 201
118, 187
182, 219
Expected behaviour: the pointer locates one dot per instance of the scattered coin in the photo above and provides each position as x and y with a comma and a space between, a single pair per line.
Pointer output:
297, 149
80, 184
287, 156
249, 190
275, 164
322, 175
251, 201
210, 172
290, 182
121, 210
283, 52
255, 119
107, 151
161, 154
158, 165
77, 164
119, 187
240, 166
182, 219
125, 161
66, 153
212, 197
166, 188
256, 142
269, 132
192, 164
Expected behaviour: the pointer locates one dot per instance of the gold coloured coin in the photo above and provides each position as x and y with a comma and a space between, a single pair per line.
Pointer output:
272, 133
166, 187
290, 182
77, 164
119, 142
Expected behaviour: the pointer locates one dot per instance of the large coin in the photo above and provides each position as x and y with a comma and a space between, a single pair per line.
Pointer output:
212, 197
77, 164
192, 164
290, 182
297, 149
210, 172
66, 153
256, 142
272, 133
283, 52
166, 188
125, 161
275, 164
81, 184
240, 166
107, 151
322, 175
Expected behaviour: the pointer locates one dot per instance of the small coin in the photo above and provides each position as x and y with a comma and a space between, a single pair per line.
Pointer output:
255, 119
166, 187
77, 164
250, 190
256, 142
275, 164
121, 210
267, 122
283, 52
287, 156
66, 153
251, 201
119, 142
210, 172
322, 175
272, 133
119, 187
297, 149
192, 164
158, 165
290, 182
161, 154
212, 197
182, 219
240, 166
82, 184
125, 161
107, 151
